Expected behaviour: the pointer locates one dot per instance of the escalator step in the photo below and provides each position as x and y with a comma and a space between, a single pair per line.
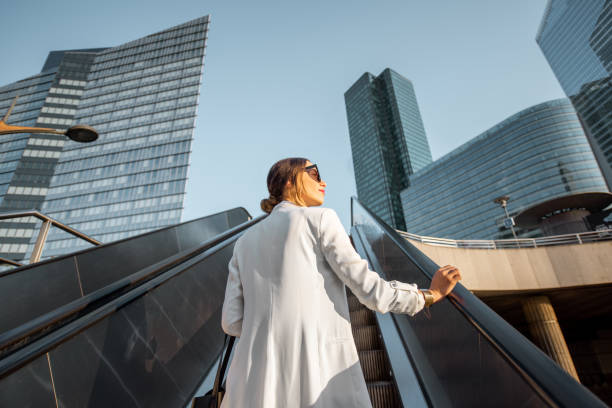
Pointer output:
366, 338
362, 317
383, 394
374, 365
372, 358
353, 303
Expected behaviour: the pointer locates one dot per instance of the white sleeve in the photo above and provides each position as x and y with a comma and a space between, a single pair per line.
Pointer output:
371, 290
233, 304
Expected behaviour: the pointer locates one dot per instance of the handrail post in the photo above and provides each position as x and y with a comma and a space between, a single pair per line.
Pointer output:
579, 239
40, 241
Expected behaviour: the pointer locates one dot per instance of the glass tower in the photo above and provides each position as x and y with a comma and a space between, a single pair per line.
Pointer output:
537, 154
24, 176
142, 98
27, 162
575, 39
388, 141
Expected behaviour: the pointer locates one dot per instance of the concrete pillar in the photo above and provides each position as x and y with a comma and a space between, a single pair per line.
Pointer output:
546, 332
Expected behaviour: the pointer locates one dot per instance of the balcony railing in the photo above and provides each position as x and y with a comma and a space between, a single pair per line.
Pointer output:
567, 239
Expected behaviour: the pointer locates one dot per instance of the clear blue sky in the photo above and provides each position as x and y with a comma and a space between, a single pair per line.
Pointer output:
276, 71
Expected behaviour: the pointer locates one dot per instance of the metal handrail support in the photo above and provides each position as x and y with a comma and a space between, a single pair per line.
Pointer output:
44, 230
40, 241
9, 262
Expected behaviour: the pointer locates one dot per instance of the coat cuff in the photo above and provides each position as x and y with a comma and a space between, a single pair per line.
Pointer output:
409, 299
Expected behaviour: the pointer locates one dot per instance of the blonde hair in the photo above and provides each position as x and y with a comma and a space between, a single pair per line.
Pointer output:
281, 172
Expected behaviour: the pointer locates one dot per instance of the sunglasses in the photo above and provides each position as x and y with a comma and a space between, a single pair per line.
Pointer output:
313, 172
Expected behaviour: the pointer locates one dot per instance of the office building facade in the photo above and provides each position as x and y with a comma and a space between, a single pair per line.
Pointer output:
537, 154
388, 140
23, 190
27, 162
575, 39
142, 98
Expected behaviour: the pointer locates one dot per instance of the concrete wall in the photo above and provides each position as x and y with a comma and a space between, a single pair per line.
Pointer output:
559, 266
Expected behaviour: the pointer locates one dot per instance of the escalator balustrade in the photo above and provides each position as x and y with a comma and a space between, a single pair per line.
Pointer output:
463, 354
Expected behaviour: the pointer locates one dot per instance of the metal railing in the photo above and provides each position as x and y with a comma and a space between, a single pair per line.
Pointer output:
47, 222
567, 239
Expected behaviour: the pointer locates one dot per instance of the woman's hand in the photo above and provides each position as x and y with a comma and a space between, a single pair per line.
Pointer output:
443, 282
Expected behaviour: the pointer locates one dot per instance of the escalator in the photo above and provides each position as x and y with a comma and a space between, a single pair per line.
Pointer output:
128, 324
148, 333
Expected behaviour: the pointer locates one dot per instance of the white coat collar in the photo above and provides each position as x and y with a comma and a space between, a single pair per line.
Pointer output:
284, 204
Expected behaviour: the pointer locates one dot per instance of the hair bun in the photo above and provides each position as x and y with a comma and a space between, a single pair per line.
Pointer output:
267, 204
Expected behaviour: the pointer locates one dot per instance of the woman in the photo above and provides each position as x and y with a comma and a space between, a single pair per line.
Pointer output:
286, 300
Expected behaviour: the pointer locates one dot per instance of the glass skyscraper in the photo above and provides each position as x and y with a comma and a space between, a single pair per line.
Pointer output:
388, 141
536, 154
27, 162
575, 37
24, 177
142, 98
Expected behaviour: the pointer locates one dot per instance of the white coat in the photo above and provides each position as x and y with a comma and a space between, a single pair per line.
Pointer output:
286, 300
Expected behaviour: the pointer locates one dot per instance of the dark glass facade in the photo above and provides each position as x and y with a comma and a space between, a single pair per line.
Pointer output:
537, 154
576, 39
388, 141
142, 98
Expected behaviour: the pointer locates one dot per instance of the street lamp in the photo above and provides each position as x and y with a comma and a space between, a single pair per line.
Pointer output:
508, 222
78, 133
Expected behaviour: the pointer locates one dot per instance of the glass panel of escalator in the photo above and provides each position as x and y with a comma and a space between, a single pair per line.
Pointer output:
33, 379
152, 350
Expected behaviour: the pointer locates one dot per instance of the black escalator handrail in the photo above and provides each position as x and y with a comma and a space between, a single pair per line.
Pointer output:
547, 378
86, 310
103, 245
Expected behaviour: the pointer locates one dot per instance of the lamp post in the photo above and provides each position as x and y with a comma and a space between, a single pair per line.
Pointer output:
78, 133
503, 201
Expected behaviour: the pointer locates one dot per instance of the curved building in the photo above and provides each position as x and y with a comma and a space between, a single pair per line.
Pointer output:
536, 154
